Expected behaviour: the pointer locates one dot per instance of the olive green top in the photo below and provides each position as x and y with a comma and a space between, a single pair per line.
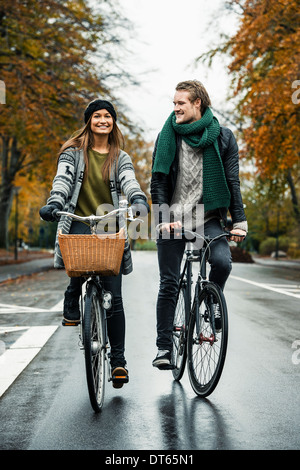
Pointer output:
94, 190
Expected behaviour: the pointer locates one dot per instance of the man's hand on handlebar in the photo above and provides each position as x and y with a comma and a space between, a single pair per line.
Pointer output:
236, 235
170, 227
240, 235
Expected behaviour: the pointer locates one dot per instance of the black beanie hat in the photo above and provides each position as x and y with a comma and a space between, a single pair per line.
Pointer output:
96, 105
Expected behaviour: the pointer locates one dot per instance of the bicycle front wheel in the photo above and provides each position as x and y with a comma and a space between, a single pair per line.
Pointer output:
207, 340
179, 333
94, 347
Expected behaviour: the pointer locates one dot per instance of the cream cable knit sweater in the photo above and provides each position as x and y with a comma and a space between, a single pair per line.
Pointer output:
189, 188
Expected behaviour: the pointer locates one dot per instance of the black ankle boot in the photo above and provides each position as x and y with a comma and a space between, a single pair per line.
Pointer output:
71, 312
71, 309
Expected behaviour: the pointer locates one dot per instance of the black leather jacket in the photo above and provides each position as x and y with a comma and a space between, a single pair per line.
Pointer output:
163, 186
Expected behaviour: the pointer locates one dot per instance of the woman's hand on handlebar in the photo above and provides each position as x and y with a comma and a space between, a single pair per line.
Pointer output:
49, 213
139, 207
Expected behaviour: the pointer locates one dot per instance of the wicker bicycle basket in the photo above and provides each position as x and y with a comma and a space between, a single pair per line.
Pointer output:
84, 255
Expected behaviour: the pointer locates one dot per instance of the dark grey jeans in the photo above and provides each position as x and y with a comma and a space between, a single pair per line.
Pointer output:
116, 321
170, 253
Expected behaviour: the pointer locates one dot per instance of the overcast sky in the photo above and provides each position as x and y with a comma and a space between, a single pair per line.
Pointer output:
169, 35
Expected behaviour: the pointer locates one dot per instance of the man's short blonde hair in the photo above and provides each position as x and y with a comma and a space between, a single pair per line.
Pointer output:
196, 90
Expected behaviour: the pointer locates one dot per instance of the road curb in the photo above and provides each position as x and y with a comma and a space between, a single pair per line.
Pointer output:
277, 264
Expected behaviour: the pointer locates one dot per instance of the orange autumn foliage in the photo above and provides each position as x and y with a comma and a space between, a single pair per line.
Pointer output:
265, 64
265, 72
55, 57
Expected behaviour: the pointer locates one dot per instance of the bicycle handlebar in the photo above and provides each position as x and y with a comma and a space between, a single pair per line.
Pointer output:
183, 231
208, 238
94, 219
90, 218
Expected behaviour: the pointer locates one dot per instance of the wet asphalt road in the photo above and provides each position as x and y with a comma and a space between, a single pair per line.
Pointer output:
255, 406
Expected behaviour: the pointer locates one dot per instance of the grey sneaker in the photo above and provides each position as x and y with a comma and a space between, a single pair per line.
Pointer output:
163, 359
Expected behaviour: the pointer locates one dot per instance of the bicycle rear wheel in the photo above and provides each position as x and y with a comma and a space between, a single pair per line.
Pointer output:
179, 333
94, 347
206, 347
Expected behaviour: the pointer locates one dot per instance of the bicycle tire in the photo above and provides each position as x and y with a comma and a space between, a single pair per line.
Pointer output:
94, 347
179, 353
207, 349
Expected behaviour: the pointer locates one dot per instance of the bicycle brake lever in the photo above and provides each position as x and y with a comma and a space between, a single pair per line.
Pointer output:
230, 234
134, 219
130, 213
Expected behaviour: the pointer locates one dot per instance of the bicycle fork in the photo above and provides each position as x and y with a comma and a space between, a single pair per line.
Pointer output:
208, 316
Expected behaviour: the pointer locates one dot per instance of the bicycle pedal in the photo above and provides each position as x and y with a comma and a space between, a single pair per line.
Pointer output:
124, 379
69, 323
166, 367
120, 376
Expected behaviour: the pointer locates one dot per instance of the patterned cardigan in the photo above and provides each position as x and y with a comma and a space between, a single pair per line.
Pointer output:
66, 187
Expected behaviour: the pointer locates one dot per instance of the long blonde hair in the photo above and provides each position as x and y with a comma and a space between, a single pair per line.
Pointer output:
84, 139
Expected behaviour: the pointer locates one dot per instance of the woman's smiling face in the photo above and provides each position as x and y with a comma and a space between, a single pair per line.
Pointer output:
102, 122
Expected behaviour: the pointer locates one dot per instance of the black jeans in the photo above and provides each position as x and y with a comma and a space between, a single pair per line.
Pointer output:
115, 321
170, 253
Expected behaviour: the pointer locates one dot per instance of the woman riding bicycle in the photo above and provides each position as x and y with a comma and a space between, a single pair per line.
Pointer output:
92, 171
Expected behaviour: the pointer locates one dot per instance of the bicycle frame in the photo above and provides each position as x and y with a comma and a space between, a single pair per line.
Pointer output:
187, 277
196, 338
188, 274
107, 301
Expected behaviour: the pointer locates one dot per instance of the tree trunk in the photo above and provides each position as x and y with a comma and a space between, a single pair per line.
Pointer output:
10, 165
294, 196
6, 198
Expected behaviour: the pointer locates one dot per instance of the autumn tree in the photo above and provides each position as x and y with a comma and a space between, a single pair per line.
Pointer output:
55, 56
141, 154
265, 71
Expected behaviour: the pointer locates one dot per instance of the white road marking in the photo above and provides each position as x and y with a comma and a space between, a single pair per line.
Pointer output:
57, 307
8, 329
10, 308
292, 290
14, 360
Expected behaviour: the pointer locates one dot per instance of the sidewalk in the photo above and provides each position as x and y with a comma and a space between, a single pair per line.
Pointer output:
14, 271
280, 263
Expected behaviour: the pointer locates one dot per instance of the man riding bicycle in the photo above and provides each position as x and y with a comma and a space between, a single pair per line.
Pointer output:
195, 161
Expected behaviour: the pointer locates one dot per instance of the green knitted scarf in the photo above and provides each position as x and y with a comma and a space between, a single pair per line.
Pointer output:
203, 134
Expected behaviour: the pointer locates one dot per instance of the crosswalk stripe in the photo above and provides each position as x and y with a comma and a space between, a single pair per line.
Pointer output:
14, 360
10, 308
57, 307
